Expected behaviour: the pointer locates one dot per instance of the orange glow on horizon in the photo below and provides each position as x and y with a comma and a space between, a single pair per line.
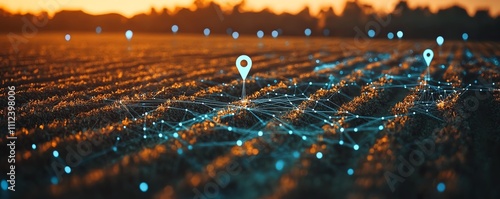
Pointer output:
129, 8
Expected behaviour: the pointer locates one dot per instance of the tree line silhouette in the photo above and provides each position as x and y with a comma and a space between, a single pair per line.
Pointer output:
355, 20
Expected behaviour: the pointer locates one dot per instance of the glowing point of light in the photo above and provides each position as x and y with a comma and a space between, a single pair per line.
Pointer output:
319, 155
296, 154
465, 36
355, 129
67, 169
4, 185
441, 187
129, 34
260, 133
356, 147
175, 28
307, 32
279, 165
67, 37
380, 127
33, 146
229, 128
326, 32
400, 34
206, 32
114, 148
341, 142
440, 40
190, 147
179, 151
260, 34
371, 33
143, 187
350, 171
390, 35
342, 129
176, 135
98, 30
304, 137
239, 142
54, 180
235, 35
274, 34
55, 154
290, 132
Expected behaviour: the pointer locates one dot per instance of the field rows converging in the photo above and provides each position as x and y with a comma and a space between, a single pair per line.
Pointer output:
93, 118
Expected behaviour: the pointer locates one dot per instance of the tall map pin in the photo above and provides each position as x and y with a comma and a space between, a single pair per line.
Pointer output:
243, 70
428, 55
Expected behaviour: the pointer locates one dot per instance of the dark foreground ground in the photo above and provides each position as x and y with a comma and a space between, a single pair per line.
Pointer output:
162, 117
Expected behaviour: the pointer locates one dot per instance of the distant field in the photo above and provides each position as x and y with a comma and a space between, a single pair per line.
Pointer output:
322, 118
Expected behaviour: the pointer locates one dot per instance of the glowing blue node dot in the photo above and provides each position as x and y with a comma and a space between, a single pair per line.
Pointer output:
179, 151
67, 37
129, 34
206, 32
290, 132
175, 28
190, 147
260, 34
390, 35
260, 133
114, 148
236, 35
160, 135
304, 137
441, 187
176, 135
342, 129
98, 30
144, 136
229, 128
356, 147
319, 155
54, 180
371, 33
307, 32
296, 154
274, 34
67, 169
350, 171
239, 142
143, 187
341, 142
380, 127
355, 129
33, 146
400, 34
55, 153
465, 36
4, 185
279, 165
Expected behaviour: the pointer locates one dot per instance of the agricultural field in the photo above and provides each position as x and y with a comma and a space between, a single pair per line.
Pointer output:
164, 117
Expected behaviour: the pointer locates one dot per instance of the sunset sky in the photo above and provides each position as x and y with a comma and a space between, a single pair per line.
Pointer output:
129, 8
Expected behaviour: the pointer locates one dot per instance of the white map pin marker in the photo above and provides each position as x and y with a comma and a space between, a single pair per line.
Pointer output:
428, 55
244, 69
